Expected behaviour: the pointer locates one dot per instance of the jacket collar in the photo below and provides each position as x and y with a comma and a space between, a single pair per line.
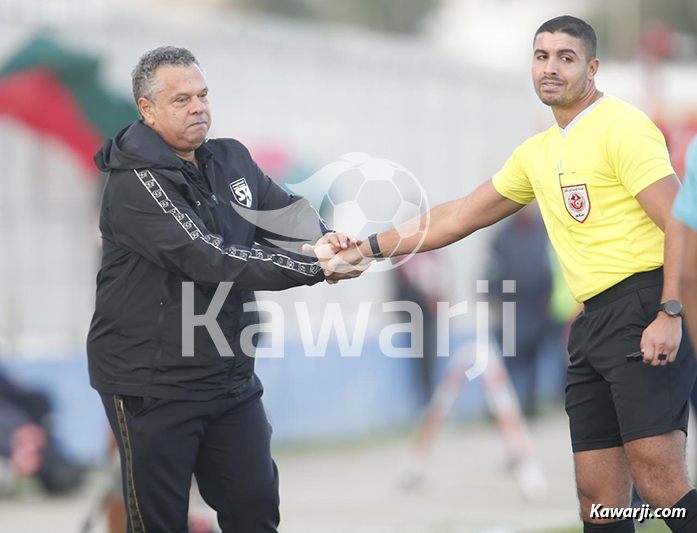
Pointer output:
146, 141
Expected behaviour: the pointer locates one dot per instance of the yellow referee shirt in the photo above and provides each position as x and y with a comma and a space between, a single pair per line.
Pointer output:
585, 178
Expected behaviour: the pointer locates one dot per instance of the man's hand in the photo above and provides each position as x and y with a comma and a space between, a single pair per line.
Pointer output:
662, 336
338, 241
347, 264
328, 246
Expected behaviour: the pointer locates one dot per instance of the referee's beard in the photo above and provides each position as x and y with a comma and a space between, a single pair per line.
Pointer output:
571, 94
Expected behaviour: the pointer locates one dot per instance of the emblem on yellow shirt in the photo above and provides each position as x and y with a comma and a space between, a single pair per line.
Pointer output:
577, 201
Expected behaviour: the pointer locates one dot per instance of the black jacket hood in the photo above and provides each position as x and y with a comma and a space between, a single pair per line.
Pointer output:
136, 146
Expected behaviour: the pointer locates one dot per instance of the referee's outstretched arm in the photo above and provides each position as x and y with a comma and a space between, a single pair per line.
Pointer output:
452, 221
444, 224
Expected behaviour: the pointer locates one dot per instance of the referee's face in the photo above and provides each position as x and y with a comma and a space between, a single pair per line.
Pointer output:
561, 72
180, 112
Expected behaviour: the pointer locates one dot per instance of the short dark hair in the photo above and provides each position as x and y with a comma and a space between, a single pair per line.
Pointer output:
576, 28
143, 74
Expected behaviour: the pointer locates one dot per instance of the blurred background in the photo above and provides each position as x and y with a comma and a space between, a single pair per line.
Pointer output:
441, 87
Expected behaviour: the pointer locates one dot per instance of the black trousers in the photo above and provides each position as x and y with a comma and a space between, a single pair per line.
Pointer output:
225, 443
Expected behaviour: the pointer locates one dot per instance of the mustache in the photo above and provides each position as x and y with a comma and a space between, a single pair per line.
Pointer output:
547, 78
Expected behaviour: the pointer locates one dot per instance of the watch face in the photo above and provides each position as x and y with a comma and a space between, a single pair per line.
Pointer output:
672, 308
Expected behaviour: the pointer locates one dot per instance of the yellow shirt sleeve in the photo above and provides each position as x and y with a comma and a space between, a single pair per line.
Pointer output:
512, 181
637, 151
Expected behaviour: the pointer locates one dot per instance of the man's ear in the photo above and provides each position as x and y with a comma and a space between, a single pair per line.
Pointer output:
147, 110
594, 65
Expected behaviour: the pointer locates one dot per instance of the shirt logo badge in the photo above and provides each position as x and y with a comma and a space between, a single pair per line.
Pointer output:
242, 192
577, 201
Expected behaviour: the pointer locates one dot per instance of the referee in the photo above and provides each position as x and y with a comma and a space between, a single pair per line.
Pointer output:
605, 186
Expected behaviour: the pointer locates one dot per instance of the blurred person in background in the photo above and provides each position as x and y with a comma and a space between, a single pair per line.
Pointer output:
519, 252
27, 442
685, 210
416, 283
172, 221
605, 186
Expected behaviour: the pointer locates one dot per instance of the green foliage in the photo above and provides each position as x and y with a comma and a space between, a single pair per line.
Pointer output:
400, 16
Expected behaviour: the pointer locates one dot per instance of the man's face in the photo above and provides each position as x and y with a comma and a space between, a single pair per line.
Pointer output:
561, 71
180, 113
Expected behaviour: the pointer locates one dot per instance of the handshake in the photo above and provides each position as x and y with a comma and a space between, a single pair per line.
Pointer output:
340, 256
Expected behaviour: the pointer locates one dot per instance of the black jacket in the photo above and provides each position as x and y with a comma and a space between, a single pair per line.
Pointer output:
163, 222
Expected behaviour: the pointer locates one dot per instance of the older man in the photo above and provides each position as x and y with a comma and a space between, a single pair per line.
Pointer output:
184, 400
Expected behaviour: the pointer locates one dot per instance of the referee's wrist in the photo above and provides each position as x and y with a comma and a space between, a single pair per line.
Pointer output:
671, 308
365, 251
668, 315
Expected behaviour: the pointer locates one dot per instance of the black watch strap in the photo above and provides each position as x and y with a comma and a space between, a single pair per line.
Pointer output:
375, 247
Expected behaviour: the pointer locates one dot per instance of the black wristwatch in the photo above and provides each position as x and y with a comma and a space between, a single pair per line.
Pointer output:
375, 247
672, 308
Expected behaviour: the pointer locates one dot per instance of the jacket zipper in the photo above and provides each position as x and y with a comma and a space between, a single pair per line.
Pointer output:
160, 319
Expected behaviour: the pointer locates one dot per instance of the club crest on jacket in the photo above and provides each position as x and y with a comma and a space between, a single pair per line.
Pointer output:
241, 192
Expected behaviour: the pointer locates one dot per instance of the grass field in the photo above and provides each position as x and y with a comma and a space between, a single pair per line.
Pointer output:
467, 488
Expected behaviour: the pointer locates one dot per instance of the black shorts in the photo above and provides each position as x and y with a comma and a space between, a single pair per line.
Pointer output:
610, 400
